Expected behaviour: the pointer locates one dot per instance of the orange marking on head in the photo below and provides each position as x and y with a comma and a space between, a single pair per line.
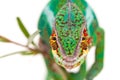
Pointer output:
89, 40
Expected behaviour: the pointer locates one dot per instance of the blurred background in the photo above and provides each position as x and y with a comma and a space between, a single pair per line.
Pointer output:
19, 67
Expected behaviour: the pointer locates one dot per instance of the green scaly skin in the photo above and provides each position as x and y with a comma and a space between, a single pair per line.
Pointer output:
69, 29
46, 24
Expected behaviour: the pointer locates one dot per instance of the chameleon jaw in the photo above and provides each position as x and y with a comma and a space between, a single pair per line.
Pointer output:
69, 62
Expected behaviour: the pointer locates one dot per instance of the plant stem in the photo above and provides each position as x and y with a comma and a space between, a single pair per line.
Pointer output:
21, 45
8, 55
16, 43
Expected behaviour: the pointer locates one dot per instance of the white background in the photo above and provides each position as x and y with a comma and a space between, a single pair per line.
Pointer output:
19, 67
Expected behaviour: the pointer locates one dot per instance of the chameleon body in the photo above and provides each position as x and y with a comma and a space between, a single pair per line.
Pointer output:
70, 28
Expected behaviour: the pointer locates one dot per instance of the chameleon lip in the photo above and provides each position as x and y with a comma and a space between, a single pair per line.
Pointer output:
77, 62
67, 63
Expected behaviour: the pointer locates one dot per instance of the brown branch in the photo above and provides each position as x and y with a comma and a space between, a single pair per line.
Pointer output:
44, 50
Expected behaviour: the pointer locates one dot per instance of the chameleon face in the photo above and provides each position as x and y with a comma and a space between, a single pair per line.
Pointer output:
70, 41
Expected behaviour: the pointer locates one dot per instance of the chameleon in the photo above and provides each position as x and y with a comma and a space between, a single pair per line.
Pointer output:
68, 30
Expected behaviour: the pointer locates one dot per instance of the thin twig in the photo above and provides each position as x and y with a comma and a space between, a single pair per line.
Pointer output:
16, 43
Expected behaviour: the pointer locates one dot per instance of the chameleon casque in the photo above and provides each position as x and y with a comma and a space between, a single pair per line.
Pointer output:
68, 29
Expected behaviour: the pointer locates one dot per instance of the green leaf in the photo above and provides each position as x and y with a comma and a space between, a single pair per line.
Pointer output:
19, 52
30, 40
22, 27
3, 39
27, 53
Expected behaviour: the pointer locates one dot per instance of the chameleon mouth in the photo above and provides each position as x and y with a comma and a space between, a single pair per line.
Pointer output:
69, 62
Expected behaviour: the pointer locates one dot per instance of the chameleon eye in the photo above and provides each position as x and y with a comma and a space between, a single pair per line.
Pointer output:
83, 38
53, 38
86, 41
53, 42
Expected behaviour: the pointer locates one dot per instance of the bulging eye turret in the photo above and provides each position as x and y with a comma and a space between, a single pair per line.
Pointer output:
86, 41
53, 42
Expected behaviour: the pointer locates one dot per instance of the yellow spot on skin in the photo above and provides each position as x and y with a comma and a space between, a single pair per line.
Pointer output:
52, 79
54, 51
85, 51
77, 64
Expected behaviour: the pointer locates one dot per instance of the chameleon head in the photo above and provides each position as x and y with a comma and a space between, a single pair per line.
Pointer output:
69, 40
